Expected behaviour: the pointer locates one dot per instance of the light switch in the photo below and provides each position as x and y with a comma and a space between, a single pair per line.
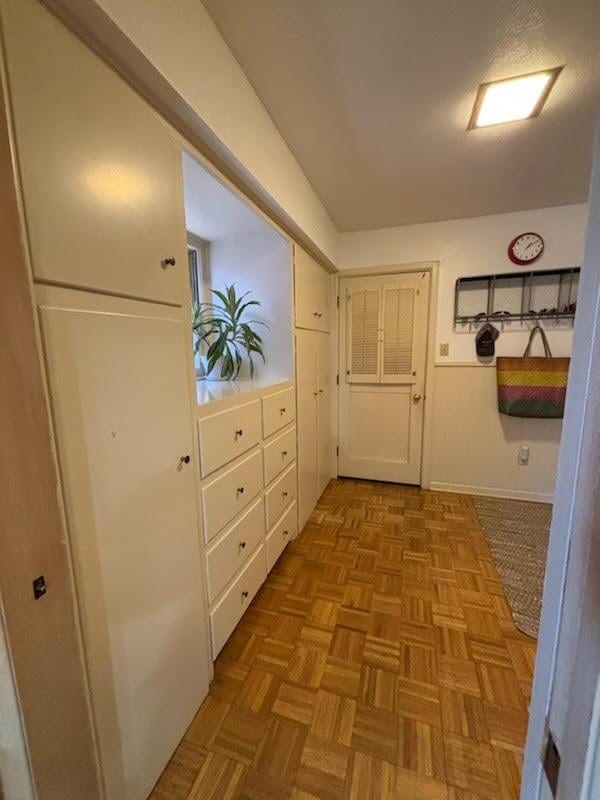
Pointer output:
523, 455
444, 348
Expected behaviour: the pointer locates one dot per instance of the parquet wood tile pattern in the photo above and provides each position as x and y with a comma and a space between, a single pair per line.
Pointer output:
378, 662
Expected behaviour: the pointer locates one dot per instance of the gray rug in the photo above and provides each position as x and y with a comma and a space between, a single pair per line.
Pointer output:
517, 533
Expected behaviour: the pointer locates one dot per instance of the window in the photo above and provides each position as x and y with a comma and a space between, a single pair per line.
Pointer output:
198, 267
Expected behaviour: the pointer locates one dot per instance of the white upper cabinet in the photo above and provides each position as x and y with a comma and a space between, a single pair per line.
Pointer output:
101, 174
312, 289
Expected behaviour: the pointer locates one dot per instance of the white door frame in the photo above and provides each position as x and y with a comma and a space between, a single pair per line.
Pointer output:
400, 269
570, 532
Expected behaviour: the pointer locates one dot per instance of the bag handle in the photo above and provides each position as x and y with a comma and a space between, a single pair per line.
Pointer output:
540, 330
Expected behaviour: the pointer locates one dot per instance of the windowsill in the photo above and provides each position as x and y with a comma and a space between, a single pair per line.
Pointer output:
213, 391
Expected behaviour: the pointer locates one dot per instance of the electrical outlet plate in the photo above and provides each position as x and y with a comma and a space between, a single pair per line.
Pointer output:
444, 348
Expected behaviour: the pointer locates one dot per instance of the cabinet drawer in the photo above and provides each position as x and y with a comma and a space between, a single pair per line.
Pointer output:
228, 612
226, 435
279, 454
280, 495
231, 492
278, 410
234, 549
285, 530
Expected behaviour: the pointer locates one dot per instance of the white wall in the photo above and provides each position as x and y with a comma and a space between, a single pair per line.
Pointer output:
182, 42
475, 246
262, 264
15, 782
473, 448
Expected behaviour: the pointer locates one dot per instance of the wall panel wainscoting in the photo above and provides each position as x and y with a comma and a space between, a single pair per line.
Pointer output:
379, 660
475, 449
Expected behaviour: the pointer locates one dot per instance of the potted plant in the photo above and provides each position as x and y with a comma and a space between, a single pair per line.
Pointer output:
223, 332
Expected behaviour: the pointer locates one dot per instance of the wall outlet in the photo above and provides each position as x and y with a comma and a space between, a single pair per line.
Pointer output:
444, 348
523, 457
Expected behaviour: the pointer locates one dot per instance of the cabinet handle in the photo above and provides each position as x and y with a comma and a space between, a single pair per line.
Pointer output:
282, 410
168, 262
185, 459
242, 545
315, 313
286, 533
284, 495
320, 391
283, 453
239, 432
315, 394
240, 490
244, 596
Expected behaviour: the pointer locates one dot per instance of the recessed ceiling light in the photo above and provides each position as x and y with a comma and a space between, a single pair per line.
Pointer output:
512, 99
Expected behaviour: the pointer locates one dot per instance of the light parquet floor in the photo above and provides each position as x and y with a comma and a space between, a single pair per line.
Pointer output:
378, 662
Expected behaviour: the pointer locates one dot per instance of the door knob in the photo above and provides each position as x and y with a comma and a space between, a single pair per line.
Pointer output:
185, 459
416, 397
168, 262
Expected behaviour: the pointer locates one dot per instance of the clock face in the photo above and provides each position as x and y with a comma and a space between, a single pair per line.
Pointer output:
526, 248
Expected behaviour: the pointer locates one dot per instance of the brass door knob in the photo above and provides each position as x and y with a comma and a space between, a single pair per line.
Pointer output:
416, 397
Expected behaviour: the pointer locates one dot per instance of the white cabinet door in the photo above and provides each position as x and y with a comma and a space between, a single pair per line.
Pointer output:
325, 388
101, 174
312, 290
121, 409
306, 422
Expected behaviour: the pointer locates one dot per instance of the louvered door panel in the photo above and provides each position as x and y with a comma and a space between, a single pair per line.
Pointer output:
363, 336
398, 334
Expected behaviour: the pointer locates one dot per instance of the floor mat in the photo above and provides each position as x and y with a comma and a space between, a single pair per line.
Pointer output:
517, 533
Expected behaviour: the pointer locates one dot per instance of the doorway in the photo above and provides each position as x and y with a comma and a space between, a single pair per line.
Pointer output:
383, 354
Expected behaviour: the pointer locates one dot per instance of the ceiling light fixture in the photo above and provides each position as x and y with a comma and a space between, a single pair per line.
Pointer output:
512, 99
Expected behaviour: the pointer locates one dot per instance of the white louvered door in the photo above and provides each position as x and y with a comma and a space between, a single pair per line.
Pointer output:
383, 327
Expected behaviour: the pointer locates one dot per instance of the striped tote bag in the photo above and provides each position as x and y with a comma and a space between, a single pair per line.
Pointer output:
532, 386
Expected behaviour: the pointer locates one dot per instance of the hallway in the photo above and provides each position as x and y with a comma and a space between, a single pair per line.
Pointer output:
379, 660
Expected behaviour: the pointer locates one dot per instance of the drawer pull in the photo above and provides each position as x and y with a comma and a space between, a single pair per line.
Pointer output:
239, 432
242, 545
240, 490
244, 596
168, 262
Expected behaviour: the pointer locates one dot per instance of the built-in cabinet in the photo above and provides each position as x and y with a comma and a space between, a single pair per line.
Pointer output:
248, 457
315, 380
175, 514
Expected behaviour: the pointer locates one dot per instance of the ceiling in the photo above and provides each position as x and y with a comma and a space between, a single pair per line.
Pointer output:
212, 211
374, 96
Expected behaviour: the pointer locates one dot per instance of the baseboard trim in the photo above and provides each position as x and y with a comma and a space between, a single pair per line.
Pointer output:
511, 494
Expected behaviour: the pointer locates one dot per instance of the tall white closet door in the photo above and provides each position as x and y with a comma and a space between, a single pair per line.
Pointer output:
121, 409
306, 421
324, 382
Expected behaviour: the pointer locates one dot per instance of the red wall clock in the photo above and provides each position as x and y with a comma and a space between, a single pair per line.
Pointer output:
526, 248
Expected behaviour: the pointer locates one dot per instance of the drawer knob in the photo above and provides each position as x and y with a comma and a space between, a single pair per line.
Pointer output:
283, 453
244, 596
242, 545
168, 262
240, 490
282, 410
239, 432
